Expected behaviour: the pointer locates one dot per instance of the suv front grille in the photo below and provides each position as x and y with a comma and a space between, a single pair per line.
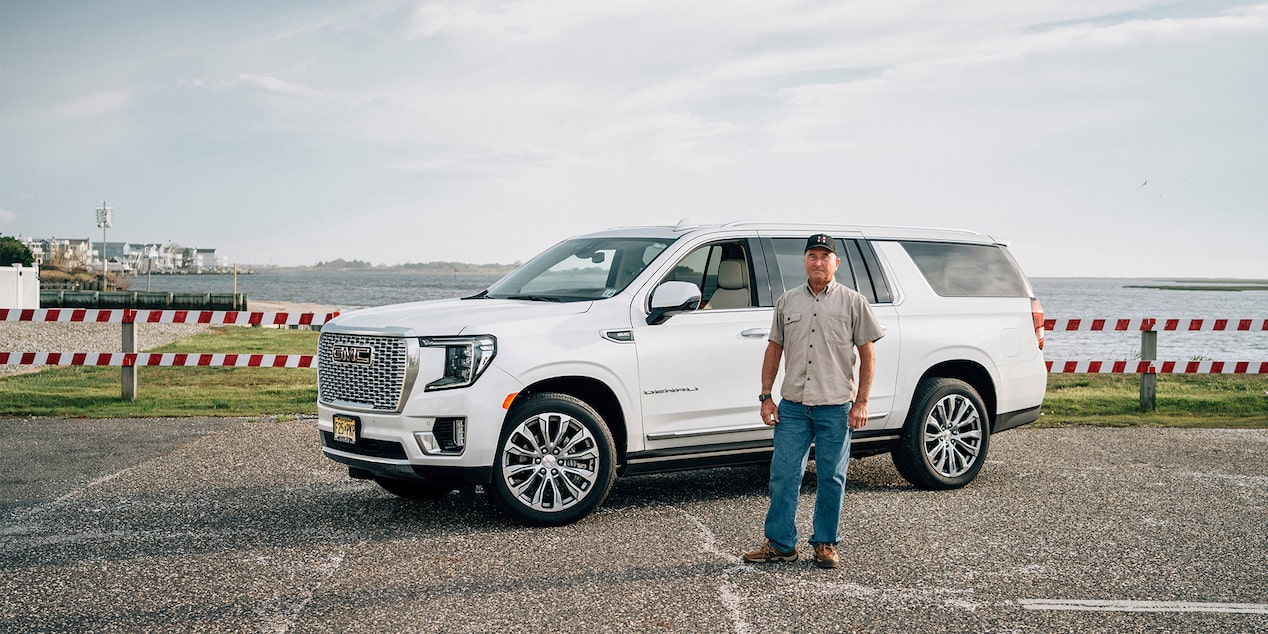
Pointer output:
376, 386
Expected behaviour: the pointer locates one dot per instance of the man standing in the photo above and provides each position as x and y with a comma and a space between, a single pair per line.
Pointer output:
816, 329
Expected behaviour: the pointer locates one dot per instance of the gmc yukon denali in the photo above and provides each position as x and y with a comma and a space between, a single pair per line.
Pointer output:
638, 350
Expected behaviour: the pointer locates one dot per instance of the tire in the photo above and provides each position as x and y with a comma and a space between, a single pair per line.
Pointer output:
418, 490
555, 461
946, 437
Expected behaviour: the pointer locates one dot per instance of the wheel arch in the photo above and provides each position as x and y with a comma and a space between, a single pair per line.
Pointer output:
596, 394
973, 373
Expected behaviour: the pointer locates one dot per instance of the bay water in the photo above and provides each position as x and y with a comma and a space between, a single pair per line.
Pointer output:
1062, 298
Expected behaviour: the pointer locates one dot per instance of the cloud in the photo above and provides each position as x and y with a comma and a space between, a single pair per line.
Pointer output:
531, 20
274, 85
7, 216
98, 103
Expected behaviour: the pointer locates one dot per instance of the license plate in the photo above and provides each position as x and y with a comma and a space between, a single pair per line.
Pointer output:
346, 428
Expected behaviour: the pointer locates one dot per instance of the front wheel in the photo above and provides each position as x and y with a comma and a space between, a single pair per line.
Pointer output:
555, 461
947, 434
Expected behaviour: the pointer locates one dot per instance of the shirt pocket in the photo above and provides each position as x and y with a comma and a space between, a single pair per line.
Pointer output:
793, 327
837, 330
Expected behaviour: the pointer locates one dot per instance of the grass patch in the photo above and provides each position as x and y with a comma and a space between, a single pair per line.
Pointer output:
92, 392
1184, 400
1195, 400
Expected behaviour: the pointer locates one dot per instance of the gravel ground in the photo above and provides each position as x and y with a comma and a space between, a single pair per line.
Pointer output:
241, 525
23, 336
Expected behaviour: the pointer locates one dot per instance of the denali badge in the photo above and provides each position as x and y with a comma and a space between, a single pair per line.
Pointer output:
359, 355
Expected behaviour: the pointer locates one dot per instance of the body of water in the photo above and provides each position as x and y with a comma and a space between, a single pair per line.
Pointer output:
1113, 298
1062, 298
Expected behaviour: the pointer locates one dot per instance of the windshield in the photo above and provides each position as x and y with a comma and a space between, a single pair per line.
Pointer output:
580, 270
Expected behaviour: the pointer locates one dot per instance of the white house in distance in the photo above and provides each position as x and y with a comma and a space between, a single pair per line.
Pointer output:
131, 257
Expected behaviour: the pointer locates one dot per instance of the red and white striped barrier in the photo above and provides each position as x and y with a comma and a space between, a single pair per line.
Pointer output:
130, 316
157, 359
1157, 367
1151, 323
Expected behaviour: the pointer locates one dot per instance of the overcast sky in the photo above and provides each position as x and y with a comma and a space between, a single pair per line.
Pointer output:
1101, 137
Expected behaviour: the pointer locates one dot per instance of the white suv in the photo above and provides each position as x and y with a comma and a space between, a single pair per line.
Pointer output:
639, 350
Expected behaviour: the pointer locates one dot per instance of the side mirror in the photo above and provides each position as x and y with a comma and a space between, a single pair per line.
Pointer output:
672, 298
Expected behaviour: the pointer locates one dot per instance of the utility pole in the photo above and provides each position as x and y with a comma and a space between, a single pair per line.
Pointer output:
104, 218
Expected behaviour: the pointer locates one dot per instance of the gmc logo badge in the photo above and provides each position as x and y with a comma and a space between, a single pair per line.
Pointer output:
359, 355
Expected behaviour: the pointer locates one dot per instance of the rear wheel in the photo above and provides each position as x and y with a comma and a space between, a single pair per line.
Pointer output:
947, 434
416, 489
555, 461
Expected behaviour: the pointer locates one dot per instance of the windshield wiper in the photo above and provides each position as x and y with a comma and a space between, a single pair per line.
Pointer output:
484, 294
535, 298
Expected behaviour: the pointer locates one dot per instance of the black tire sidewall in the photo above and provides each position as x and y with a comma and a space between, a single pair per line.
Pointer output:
533, 406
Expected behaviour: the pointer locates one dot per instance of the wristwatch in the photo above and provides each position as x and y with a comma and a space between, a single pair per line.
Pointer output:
763, 397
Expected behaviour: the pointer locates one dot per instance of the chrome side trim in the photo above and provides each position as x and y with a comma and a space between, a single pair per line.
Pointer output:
874, 439
734, 452
692, 433
735, 429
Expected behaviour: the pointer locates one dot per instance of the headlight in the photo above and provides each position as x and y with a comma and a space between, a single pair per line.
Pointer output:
465, 359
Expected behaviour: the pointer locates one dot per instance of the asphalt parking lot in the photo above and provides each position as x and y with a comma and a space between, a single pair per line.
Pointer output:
241, 525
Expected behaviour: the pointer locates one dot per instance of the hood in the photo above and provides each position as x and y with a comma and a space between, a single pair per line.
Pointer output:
451, 316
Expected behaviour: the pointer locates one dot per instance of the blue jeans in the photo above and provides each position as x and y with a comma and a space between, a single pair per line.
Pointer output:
798, 426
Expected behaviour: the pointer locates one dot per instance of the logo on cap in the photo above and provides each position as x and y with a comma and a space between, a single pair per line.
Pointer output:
822, 241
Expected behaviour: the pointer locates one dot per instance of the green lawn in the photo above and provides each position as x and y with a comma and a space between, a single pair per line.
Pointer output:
93, 392
1184, 400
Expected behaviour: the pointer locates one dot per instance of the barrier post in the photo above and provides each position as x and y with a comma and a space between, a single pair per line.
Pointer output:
1148, 380
128, 378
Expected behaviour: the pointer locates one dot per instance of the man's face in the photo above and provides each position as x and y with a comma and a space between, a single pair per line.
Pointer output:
821, 266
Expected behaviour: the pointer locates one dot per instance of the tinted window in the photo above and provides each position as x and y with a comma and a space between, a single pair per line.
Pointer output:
967, 270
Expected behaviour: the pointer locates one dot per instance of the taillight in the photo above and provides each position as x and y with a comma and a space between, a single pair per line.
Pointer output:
1036, 312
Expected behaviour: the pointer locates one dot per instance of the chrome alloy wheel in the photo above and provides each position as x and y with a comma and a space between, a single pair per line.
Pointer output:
953, 435
550, 462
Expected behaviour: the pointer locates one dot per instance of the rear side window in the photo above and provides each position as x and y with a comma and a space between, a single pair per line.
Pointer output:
967, 270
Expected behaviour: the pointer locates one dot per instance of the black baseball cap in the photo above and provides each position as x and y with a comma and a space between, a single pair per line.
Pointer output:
821, 241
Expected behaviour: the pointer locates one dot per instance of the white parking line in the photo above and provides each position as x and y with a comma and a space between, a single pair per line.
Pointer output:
1142, 606
74, 493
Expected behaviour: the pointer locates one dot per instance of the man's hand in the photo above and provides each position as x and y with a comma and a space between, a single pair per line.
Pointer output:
770, 413
858, 415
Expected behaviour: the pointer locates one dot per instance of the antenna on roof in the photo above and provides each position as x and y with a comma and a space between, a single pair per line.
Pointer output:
684, 224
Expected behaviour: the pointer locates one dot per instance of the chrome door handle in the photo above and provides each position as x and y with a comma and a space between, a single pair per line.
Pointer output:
755, 332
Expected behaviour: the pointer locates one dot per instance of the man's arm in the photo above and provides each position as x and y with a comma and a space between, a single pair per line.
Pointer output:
867, 369
770, 369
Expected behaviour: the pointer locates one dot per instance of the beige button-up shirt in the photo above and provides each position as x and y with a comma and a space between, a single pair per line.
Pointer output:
818, 334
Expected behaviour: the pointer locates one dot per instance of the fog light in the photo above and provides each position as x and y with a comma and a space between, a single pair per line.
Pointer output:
460, 434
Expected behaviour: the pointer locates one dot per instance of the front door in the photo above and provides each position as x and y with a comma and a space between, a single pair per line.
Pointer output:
700, 372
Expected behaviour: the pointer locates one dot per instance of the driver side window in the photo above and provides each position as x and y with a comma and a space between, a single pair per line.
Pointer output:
722, 271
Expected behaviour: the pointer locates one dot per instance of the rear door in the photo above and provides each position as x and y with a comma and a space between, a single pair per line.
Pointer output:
860, 271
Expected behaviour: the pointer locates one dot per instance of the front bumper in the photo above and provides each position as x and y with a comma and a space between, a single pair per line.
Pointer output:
402, 469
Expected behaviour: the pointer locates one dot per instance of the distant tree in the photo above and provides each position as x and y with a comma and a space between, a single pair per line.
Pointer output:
14, 252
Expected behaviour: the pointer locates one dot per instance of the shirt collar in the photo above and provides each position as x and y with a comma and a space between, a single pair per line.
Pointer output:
827, 290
